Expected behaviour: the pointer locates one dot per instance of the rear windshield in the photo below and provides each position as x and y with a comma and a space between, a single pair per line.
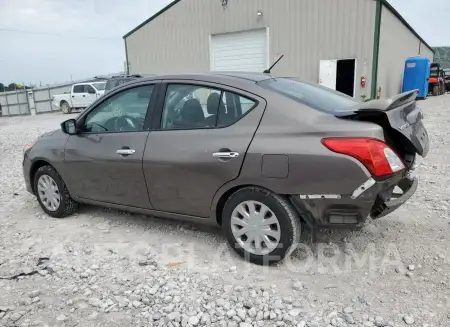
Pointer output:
312, 95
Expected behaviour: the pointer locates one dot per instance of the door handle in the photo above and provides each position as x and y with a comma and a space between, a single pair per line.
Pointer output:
126, 152
225, 155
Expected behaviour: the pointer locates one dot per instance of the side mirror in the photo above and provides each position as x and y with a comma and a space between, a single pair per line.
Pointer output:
69, 127
91, 91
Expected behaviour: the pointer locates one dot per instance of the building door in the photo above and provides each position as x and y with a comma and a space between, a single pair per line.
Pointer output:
328, 73
338, 75
345, 77
240, 51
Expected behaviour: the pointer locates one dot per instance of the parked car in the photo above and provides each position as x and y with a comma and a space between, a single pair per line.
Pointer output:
447, 79
272, 154
80, 97
119, 80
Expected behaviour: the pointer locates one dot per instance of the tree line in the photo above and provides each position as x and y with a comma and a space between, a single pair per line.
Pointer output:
12, 87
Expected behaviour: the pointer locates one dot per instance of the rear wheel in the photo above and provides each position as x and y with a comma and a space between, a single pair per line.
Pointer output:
435, 90
52, 193
260, 226
65, 108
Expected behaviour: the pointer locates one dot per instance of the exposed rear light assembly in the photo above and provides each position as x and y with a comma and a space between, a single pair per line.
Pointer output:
374, 154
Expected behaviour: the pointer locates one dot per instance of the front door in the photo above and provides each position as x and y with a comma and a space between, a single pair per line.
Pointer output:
328, 73
201, 144
104, 161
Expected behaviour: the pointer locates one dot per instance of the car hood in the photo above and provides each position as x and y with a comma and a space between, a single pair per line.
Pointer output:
51, 133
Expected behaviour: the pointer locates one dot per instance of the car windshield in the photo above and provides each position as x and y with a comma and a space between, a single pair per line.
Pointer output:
99, 86
313, 95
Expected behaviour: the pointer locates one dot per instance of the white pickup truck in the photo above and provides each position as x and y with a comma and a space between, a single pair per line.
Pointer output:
80, 97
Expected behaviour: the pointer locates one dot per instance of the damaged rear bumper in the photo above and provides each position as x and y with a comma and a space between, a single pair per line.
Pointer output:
375, 198
382, 208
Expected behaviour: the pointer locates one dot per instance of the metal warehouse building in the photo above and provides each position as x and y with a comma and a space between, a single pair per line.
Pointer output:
337, 43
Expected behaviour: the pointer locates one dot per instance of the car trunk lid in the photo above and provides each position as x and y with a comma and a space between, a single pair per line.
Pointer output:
401, 119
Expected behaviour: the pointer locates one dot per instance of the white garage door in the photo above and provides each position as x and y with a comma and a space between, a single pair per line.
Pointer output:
242, 51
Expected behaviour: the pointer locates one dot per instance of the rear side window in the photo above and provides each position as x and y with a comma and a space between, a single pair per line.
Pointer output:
78, 89
190, 106
232, 108
312, 95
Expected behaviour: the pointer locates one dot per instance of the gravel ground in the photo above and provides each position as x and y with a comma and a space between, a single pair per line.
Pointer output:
108, 268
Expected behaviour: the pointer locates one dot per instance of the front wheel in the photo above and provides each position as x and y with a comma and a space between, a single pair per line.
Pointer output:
52, 193
260, 226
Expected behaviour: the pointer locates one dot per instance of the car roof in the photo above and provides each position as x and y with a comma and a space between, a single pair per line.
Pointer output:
217, 77
125, 76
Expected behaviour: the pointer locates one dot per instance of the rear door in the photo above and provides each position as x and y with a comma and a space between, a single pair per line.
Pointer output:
198, 144
104, 161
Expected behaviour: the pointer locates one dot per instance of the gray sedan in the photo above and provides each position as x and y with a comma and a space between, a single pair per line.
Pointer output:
259, 156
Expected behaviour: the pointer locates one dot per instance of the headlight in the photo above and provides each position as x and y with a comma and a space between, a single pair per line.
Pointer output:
27, 147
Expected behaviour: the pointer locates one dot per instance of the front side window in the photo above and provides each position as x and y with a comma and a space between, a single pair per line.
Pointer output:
78, 89
123, 112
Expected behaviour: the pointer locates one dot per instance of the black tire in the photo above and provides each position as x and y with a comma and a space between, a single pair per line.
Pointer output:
65, 107
289, 222
67, 205
435, 90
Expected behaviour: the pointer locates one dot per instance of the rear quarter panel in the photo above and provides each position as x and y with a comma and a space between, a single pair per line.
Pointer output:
295, 131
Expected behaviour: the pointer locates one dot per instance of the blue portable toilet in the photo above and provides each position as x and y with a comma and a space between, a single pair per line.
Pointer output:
415, 77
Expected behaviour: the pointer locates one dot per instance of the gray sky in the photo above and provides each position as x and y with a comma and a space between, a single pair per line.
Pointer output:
89, 42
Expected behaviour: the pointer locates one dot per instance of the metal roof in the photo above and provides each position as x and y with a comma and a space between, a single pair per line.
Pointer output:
170, 5
385, 2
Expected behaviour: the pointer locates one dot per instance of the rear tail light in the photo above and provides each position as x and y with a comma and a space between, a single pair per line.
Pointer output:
374, 154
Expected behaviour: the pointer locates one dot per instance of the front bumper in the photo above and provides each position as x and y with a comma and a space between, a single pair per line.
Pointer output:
26, 168
348, 211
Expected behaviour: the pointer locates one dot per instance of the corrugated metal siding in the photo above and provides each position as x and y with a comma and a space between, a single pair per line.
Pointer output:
305, 31
397, 43
426, 52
